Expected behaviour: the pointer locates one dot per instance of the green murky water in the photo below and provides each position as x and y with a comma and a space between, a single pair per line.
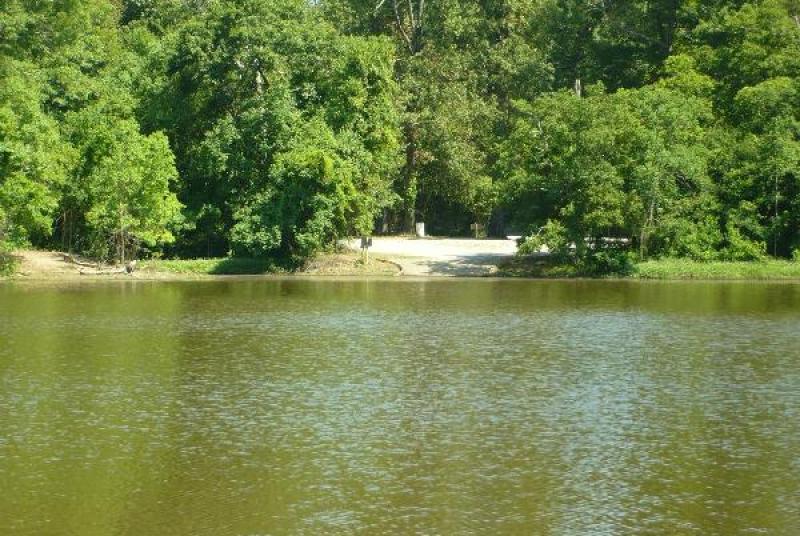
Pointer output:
254, 407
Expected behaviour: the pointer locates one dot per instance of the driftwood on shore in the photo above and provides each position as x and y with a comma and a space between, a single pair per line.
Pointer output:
68, 257
103, 272
129, 268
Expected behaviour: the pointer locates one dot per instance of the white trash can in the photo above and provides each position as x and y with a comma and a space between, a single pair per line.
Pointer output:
421, 230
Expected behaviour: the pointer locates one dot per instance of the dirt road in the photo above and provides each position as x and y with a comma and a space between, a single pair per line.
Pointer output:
441, 256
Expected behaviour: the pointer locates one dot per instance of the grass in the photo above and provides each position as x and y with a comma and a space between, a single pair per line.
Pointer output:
220, 266
324, 264
688, 269
664, 269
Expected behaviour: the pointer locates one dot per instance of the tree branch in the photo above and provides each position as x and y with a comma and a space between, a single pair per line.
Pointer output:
411, 16
400, 26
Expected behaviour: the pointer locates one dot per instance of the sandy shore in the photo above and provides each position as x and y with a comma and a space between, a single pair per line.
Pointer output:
55, 266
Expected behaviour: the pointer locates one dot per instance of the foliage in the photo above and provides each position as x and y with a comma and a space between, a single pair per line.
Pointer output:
317, 195
7, 261
552, 238
603, 130
625, 165
255, 96
7, 264
34, 160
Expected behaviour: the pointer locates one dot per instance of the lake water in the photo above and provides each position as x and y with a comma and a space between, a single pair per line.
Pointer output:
297, 406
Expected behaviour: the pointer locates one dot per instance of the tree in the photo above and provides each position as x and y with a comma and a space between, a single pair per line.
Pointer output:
122, 190
317, 195
626, 165
34, 159
459, 66
752, 51
248, 83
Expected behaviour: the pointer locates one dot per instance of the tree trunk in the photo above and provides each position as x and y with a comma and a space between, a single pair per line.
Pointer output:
643, 235
775, 220
410, 179
120, 235
409, 22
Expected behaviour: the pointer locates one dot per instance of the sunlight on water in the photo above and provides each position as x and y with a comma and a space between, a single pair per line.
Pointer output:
250, 407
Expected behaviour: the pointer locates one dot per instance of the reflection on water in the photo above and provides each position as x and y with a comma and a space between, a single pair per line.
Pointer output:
251, 407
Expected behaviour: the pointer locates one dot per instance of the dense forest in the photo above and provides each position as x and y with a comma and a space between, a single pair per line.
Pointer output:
198, 128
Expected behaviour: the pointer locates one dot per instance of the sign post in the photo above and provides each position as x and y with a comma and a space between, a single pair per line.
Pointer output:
477, 227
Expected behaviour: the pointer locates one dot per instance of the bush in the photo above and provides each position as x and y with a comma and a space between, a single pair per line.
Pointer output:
7, 263
610, 262
740, 248
552, 237
6, 260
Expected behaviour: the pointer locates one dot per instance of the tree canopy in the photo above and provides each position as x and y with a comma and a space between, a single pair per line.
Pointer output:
275, 127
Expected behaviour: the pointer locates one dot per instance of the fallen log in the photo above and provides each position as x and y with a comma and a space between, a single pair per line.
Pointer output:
72, 260
104, 272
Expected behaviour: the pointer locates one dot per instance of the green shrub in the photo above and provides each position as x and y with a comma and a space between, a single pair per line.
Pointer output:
7, 263
740, 248
610, 262
553, 236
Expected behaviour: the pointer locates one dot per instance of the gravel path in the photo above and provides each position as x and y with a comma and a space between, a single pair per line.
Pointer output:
441, 256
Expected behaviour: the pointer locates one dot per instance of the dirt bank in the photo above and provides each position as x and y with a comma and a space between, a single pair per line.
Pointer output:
55, 266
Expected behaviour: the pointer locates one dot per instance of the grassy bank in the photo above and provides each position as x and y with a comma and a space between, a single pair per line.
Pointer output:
220, 266
687, 269
664, 269
325, 264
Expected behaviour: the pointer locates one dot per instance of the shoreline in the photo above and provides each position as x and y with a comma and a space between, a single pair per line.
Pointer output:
51, 266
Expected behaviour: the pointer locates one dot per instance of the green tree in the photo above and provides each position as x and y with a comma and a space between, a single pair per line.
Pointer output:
627, 165
122, 188
249, 82
34, 159
459, 66
317, 195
